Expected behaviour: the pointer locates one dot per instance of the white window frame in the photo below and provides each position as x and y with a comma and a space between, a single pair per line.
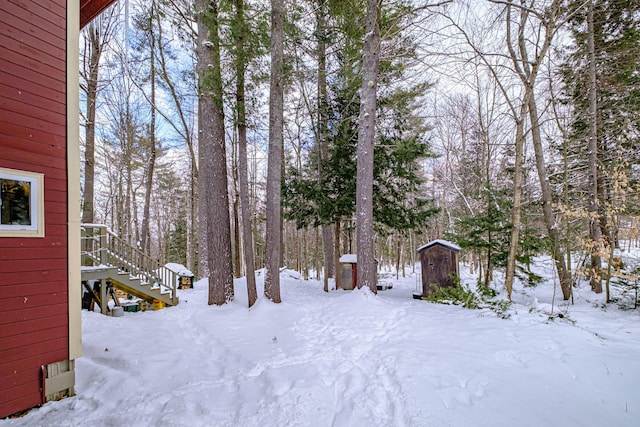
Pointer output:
36, 204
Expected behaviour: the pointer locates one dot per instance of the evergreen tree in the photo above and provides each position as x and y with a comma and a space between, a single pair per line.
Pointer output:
213, 192
399, 202
601, 79
400, 146
616, 34
177, 244
398, 198
246, 47
487, 232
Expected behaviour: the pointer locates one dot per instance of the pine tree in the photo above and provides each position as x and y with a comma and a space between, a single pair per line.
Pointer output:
213, 170
400, 145
274, 174
399, 202
601, 79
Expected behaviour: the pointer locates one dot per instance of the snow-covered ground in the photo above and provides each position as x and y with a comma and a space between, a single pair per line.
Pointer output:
349, 358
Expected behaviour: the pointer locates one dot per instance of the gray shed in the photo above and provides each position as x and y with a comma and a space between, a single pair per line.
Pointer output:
439, 260
348, 271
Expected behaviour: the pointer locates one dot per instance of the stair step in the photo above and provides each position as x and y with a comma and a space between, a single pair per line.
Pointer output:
118, 270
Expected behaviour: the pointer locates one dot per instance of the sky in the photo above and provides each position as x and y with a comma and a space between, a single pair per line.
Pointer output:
352, 358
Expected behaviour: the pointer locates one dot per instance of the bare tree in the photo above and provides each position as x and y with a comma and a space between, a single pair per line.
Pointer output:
124, 116
179, 120
150, 33
528, 69
528, 27
96, 38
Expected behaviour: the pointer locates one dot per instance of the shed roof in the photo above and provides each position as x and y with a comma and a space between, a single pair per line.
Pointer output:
179, 269
444, 243
349, 258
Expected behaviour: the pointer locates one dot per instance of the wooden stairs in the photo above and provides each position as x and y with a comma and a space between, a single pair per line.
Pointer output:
106, 257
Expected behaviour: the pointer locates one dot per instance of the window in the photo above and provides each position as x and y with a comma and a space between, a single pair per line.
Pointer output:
21, 203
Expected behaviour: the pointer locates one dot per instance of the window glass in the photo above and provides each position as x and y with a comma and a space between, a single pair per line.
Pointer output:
15, 199
21, 203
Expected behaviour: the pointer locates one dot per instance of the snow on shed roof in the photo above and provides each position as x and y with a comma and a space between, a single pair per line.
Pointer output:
349, 258
444, 243
179, 269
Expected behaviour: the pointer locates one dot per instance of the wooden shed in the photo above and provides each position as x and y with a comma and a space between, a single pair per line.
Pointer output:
439, 260
40, 304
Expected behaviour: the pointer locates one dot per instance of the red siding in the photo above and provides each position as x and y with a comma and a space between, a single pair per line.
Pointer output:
33, 271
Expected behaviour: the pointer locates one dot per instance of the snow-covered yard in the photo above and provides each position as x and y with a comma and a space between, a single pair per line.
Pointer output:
349, 358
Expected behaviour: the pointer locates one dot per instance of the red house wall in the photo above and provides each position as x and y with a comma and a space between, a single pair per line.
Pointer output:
33, 271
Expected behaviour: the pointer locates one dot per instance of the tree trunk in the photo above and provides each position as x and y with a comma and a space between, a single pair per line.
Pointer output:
565, 174
185, 130
203, 178
305, 254
95, 51
367, 272
283, 242
151, 163
247, 235
130, 205
192, 222
327, 230
596, 236
212, 143
336, 253
488, 272
516, 212
398, 250
527, 71
236, 245
276, 122
547, 200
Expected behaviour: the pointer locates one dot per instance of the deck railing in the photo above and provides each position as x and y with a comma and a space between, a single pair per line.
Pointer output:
101, 246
